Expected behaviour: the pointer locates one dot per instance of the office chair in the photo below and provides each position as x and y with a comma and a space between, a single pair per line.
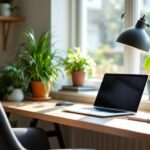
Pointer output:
20, 138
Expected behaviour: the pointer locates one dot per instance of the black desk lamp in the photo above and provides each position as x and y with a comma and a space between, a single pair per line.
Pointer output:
136, 36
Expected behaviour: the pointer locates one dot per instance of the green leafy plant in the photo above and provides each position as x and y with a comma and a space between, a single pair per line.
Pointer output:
11, 77
38, 58
77, 61
147, 69
147, 64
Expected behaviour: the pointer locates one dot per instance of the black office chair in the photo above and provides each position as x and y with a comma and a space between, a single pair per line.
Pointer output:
20, 138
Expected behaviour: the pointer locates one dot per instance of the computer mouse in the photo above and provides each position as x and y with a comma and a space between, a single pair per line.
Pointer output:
63, 104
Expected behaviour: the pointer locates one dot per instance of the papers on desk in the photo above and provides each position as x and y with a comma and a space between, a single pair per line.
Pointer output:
140, 116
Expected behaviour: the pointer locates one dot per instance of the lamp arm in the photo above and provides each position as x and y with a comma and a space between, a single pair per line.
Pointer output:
141, 19
148, 25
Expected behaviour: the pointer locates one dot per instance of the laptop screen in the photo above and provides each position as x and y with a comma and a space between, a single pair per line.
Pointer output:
121, 91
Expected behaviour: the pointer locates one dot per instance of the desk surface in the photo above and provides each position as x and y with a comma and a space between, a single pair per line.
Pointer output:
47, 111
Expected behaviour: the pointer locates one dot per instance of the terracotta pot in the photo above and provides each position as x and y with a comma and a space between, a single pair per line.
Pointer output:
78, 78
39, 90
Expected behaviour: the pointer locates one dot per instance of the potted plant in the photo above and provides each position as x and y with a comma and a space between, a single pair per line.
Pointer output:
77, 64
13, 82
147, 68
40, 61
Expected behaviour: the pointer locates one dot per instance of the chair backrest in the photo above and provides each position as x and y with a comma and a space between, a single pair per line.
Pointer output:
8, 139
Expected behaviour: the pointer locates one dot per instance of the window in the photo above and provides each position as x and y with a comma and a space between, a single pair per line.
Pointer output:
104, 24
100, 29
144, 8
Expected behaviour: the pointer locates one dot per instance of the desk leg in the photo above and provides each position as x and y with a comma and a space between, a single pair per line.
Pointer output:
8, 114
33, 123
56, 132
59, 135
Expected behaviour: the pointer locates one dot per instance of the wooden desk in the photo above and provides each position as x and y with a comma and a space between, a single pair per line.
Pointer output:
47, 111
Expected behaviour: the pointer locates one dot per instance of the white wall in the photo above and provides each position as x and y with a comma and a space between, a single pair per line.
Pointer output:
61, 24
37, 17
36, 13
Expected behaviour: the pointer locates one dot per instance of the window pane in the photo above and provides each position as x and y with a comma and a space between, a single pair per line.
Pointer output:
144, 9
104, 24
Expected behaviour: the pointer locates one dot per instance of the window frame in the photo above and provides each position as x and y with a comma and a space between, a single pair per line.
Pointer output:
131, 56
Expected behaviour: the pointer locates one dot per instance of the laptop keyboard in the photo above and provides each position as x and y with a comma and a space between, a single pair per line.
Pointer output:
104, 109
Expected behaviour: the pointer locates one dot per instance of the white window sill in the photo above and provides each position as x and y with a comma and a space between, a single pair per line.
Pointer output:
90, 96
82, 97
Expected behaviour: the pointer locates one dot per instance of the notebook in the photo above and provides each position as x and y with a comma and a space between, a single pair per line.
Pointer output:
119, 94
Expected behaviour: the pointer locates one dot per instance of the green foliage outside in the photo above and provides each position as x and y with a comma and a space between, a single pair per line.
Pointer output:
147, 64
146, 58
105, 28
102, 57
77, 61
110, 22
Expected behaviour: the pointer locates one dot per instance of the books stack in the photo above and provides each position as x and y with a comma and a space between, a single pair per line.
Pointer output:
78, 88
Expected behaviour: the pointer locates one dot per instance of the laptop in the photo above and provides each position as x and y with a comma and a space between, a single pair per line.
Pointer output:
119, 94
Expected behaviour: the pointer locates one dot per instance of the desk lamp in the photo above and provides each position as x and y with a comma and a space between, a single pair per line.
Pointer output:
136, 36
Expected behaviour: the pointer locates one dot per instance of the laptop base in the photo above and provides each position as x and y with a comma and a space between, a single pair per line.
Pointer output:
96, 111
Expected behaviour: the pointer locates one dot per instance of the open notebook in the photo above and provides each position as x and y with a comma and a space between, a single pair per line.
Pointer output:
119, 94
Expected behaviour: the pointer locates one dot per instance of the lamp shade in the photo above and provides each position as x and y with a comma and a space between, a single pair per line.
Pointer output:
136, 36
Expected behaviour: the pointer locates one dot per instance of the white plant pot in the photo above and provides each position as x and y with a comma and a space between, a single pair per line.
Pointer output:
5, 9
16, 95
